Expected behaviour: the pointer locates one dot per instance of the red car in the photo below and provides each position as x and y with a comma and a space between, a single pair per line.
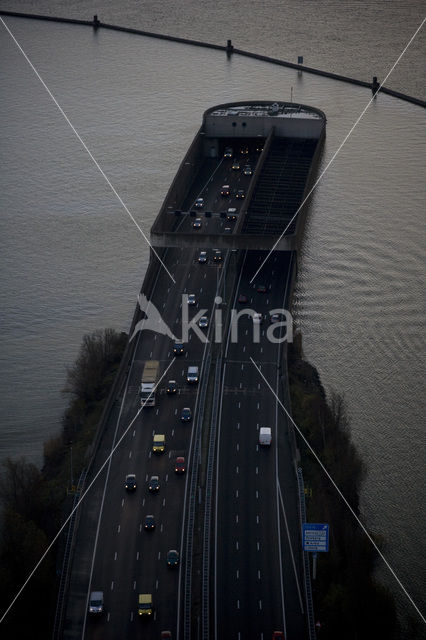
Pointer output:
278, 635
242, 298
180, 465
261, 288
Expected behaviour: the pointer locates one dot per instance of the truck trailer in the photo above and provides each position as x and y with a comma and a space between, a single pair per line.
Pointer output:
149, 380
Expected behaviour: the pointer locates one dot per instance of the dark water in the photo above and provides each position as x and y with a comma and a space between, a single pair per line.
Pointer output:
72, 261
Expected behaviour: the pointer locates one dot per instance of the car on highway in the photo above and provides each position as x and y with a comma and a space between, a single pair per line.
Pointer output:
197, 224
225, 190
191, 299
228, 153
235, 165
159, 443
242, 298
171, 387
240, 194
231, 214
275, 317
149, 523
217, 255
192, 375
278, 635
261, 288
203, 322
259, 147
186, 414
257, 318
96, 602
130, 483
145, 607
172, 558
166, 635
244, 150
199, 203
180, 464
202, 258
247, 171
178, 348
154, 484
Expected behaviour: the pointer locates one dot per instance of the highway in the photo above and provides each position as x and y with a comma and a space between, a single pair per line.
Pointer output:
255, 582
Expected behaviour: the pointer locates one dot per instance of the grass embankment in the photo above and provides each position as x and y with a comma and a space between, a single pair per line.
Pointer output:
348, 602
35, 502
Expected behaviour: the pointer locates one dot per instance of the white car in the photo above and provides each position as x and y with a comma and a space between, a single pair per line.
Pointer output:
202, 258
191, 298
203, 322
257, 318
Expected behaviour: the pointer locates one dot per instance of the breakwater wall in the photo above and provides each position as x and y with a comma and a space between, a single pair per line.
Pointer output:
229, 49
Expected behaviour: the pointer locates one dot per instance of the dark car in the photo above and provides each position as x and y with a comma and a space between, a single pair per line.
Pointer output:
235, 165
199, 203
228, 153
278, 635
171, 387
178, 348
261, 288
244, 150
217, 255
240, 194
166, 635
149, 523
247, 171
130, 482
242, 298
154, 484
185, 414
275, 317
172, 558
180, 465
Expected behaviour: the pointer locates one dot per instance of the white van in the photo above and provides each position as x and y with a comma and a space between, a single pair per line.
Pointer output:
231, 214
265, 436
96, 602
192, 375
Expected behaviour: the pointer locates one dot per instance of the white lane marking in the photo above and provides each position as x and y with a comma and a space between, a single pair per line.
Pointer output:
156, 585
260, 605
257, 471
130, 454
257, 519
115, 556
131, 616
236, 519
242, 367
238, 574
176, 412
134, 585
167, 476
112, 585
118, 530
238, 446
159, 555
241, 385
238, 606
137, 552
258, 574
239, 405
134, 432
161, 528
258, 405
164, 502
238, 425
122, 502
156, 413
258, 546
257, 494
140, 529
143, 501
236, 493
108, 616
237, 546
237, 469
173, 432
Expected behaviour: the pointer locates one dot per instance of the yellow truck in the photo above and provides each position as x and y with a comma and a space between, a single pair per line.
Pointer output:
145, 607
158, 443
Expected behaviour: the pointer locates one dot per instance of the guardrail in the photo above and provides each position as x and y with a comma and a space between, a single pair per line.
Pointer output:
307, 571
189, 531
64, 581
205, 597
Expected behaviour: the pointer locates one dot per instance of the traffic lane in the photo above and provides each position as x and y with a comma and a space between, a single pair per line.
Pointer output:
247, 518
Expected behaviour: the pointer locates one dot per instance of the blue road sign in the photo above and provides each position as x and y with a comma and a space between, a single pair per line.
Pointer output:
315, 537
